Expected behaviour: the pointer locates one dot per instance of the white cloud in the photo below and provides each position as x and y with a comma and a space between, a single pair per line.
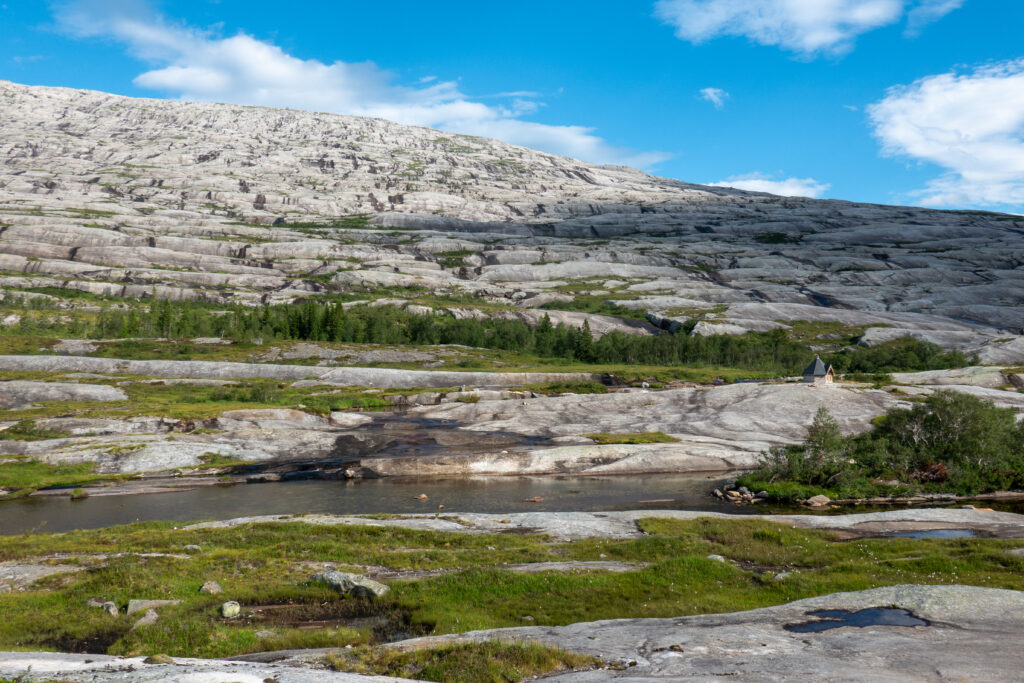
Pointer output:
715, 96
202, 66
789, 187
970, 124
803, 26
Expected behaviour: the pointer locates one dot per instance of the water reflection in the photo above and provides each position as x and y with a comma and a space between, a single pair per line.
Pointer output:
485, 494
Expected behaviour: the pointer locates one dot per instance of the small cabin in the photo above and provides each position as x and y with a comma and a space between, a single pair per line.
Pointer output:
819, 373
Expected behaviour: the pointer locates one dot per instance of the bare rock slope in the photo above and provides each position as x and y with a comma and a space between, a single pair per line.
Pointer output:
136, 197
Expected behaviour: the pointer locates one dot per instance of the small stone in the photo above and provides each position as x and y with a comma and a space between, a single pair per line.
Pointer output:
718, 493
422, 496
265, 634
158, 659
744, 490
717, 558
148, 619
782, 576
211, 588
527, 618
95, 602
818, 501
230, 609
192, 548
761, 495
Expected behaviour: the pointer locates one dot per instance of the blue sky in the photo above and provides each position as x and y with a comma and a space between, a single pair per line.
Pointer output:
889, 101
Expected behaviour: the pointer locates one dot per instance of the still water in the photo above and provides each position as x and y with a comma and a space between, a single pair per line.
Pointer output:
490, 494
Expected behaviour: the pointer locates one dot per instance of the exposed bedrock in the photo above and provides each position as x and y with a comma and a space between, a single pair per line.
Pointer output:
717, 428
961, 633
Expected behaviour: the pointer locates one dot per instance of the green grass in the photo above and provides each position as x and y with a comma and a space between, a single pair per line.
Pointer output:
218, 460
485, 662
189, 402
599, 304
24, 475
635, 437
267, 564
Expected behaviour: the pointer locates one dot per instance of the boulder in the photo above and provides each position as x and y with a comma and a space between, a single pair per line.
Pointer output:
230, 610
211, 588
147, 619
350, 584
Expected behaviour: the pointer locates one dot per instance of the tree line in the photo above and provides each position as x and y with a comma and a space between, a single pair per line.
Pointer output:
330, 321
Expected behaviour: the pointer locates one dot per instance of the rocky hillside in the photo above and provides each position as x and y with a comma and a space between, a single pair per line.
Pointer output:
133, 197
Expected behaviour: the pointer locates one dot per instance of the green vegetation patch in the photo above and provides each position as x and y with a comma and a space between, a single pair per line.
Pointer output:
28, 430
777, 238
947, 443
899, 355
485, 662
265, 567
635, 437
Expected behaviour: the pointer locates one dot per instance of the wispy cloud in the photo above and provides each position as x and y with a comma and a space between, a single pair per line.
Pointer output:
202, 65
928, 11
970, 124
715, 96
807, 27
787, 187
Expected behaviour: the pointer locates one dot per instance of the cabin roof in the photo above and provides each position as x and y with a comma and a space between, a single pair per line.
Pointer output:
817, 368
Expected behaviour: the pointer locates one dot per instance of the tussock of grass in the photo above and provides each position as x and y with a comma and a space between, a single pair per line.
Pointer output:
484, 662
28, 430
634, 437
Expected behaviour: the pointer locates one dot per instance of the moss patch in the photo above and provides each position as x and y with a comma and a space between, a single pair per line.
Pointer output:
635, 437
